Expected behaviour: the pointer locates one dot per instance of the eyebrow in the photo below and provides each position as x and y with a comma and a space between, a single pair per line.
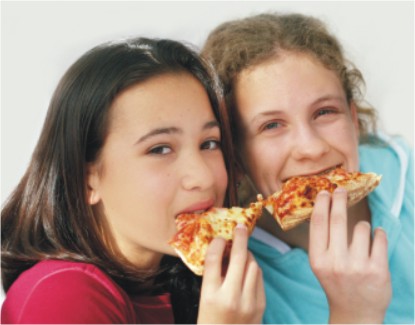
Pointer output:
317, 101
173, 130
266, 113
328, 97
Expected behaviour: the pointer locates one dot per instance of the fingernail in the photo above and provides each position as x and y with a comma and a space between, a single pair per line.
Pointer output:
380, 230
241, 226
340, 190
323, 192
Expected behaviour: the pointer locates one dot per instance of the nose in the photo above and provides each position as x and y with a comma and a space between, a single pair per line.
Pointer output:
196, 173
309, 144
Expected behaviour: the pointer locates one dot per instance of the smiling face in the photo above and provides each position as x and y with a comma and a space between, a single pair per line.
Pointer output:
294, 119
161, 157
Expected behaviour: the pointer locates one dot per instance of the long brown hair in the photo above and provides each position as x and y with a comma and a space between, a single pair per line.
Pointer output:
47, 217
244, 43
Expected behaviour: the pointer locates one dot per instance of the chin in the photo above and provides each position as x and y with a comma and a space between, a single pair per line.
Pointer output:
170, 251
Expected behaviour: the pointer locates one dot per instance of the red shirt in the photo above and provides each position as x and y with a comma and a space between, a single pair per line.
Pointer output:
67, 292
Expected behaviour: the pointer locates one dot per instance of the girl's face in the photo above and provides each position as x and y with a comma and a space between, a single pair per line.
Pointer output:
161, 157
294, 120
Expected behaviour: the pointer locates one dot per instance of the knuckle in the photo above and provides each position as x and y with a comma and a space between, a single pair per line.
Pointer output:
318, 266
338, 219
248, 310
211, 258
208, 300
318, 219
381, 275
238, 249
231, 306
330, 270
339, 270
239, 253
358, 270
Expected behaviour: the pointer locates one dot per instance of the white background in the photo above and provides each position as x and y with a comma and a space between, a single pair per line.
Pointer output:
39, 40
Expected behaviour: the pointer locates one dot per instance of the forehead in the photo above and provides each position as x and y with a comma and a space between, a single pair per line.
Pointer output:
285, 65
286, 79
168, 96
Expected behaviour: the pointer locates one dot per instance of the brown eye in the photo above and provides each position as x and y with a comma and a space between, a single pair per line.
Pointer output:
160, 150
210, 145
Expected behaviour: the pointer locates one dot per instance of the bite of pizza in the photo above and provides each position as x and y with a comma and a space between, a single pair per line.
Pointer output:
290, 206
294, 203
196, 231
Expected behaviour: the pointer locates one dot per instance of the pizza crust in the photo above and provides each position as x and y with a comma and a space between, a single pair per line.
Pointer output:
290, 207
294, 204
196, 231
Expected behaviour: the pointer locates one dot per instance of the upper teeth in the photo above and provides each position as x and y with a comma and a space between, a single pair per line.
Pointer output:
328, 170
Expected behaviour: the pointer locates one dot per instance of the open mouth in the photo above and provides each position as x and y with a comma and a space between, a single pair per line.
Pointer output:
198, 208
199, 211
320, 173
195, 212
326, 171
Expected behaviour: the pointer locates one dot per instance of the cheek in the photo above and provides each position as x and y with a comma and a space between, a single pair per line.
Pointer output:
263, 160
345, 140
144, 207
221, 179
127, 192
354, 154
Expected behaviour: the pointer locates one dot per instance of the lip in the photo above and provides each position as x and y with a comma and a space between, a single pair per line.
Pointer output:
199, 206
319, 172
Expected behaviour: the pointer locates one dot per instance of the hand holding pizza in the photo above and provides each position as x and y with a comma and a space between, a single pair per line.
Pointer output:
236, 294
355, 277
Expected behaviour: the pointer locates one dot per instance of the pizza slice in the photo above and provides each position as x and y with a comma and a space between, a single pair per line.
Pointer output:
294, 203
196, 231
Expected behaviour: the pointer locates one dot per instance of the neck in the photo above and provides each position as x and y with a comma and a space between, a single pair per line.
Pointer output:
299, 236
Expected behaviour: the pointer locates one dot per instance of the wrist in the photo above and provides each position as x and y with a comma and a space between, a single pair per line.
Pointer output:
353, 317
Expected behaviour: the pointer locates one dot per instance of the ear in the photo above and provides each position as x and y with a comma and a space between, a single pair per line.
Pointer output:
355, 117
92, 183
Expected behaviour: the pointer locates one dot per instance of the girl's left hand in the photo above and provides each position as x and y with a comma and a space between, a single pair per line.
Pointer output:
355, 277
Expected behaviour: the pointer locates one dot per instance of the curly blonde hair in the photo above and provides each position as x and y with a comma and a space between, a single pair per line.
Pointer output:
244, 43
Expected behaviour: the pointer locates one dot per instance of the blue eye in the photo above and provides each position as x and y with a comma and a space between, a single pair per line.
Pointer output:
272, 125
160, 150
210, 145
325, 111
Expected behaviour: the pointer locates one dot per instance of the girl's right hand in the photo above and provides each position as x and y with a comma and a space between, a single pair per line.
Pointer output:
238, 296
354, 276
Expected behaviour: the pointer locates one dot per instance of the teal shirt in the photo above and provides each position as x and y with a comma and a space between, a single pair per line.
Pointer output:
294, 294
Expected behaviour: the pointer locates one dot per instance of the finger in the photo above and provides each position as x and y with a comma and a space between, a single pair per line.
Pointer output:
251, 280
238, 257
212, 277
260, 294
379, 253
360, 245
338, 222
319, 225
253, 295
